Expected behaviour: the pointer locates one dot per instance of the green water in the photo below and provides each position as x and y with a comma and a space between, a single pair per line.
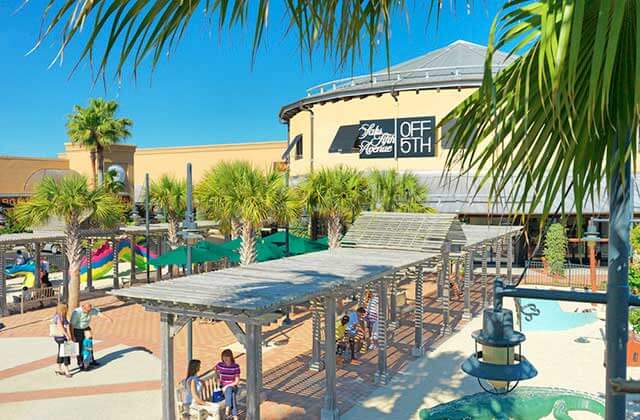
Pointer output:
525, 403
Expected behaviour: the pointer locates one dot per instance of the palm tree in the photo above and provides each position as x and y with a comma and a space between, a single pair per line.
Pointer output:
397, 192
337, 194
236, 192
96, 128
72, 200
169, 194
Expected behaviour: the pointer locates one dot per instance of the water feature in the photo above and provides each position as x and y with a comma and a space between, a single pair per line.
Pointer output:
553, 318
525, 403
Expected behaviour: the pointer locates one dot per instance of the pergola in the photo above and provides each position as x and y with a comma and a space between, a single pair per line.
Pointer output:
376, 248
90, 234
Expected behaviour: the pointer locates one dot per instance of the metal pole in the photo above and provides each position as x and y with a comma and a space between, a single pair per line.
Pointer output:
329, 410
146, 223
114, 263
617, 313
132, 274
3, 284
159, 252
89, 254
168, 399
65, 274
188, 219
286, 229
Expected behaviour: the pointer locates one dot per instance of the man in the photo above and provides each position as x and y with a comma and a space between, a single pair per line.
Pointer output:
80, 321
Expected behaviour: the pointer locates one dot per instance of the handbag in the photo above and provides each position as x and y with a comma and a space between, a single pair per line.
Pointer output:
54, 331
69, 349
217, 395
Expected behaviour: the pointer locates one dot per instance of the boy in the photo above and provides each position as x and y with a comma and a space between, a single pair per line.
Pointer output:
87, 350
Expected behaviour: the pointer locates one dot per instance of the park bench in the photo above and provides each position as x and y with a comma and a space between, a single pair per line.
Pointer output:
208, 386
37, 298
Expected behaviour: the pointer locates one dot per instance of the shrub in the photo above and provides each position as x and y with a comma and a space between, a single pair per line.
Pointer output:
634, 320
634, 279
555, 248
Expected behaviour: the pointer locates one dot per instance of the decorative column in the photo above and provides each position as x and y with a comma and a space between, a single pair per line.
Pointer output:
168, 393
485, 279
417, 349
509, 259
132, 273
468, 272
38, 267
65, 274
159, 252
381, 376
3, 284
316, 314
254, 370
393, 306
88, 254
446, 329
329, 410
115, 267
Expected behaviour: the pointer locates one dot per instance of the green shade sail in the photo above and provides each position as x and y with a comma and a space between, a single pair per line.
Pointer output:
199, 254
297, 244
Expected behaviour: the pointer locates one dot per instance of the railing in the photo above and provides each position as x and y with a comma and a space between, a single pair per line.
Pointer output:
452, 73
572, 276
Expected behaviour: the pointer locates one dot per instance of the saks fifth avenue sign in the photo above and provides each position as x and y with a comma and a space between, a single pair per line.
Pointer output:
400, 137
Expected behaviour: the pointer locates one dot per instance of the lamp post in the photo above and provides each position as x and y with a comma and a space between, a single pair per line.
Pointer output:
147, 221
591, 239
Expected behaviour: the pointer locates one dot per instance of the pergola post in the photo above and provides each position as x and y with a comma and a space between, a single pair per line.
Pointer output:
254, 370
446, 249
417, 349
65, 274
115, 268
316, 331
468, 272
89, 253
159, 252
393, 302
3, 284
498, 253
509, 259
168, 399
439, 281
381, 376
38, 267
329, 410
485, 279
132, 273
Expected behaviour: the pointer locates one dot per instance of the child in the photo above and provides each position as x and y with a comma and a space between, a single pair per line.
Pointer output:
229, 376
87, 350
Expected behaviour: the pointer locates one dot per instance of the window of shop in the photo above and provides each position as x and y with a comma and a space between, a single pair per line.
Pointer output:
299, 151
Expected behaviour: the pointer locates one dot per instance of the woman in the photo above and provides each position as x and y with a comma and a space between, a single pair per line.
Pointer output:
62, 334
229, 376
372, 319
192, 389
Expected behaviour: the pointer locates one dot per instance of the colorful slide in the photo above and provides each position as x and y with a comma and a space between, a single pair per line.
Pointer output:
101, 262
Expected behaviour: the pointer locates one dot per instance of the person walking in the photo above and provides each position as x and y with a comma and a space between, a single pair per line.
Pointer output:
372, 320
61, 334
229, 376
81, 321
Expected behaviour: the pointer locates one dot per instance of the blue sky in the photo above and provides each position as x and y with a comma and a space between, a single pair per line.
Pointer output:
206, 93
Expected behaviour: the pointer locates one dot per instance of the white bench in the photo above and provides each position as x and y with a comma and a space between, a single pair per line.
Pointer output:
195, 413
37, 298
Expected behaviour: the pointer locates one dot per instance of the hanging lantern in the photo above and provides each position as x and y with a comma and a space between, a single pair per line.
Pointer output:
499, 365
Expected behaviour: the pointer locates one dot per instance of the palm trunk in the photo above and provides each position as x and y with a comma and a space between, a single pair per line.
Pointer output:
92, 156
333, 230
100, 157
73, 249
236, 228
248, 244
172, 232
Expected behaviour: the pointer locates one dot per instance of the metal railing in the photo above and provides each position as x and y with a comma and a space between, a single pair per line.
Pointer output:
426, 73
571, 275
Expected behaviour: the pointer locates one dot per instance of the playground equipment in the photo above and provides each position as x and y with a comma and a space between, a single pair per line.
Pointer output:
101, 262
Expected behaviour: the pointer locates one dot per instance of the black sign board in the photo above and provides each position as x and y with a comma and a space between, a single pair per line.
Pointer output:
401, 137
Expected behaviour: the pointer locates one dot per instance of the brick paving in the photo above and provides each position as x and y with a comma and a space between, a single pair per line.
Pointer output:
292, 390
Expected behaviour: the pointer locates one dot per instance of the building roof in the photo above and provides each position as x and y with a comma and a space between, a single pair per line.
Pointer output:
459, 64
478, 234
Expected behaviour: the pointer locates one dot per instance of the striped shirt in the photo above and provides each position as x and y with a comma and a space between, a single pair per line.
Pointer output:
372, 309
227, 373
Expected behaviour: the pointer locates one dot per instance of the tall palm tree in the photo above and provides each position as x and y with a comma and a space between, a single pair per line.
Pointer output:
337, 194
72, 200
397, 192
96, 128
170, 195
236, 192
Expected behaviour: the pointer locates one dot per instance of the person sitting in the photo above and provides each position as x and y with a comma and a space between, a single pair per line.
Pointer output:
341, 336
229, 376
192, 390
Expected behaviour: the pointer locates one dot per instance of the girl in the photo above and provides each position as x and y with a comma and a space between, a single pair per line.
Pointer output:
192, 388
229, 377
62, 334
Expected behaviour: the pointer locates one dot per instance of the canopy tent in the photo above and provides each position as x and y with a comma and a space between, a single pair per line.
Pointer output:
199, 255
297, 244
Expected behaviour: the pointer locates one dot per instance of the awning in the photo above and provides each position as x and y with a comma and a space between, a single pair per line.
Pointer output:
293, 143
345, 139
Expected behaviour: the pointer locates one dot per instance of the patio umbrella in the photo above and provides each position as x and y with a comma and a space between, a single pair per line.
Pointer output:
264, 251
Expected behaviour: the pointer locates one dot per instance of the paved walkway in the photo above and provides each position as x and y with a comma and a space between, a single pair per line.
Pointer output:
127, 384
